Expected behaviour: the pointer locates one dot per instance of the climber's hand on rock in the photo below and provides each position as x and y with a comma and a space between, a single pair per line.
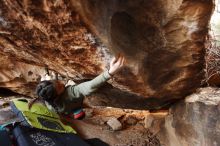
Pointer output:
116, 64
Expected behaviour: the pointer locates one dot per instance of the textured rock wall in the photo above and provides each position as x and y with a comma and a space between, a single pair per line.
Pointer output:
195, 121
162, 40
38, 34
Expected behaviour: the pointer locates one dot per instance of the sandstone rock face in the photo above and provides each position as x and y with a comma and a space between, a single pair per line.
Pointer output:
18, 76
39, 34
163, 42
195, 121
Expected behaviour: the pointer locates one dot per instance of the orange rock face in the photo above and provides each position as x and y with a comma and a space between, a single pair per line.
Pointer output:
44, 34
163, 42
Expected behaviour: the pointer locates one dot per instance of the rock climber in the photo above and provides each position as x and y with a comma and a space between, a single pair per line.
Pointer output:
68, 100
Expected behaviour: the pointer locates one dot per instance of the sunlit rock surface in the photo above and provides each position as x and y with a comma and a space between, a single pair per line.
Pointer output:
162, 40
194, 121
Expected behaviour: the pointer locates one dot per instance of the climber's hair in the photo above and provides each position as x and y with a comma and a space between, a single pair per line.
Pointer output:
45, 91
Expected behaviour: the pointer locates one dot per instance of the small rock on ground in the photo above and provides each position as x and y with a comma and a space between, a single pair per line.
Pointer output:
114, 124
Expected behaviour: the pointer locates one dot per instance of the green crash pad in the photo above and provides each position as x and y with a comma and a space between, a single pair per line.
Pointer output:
39, 116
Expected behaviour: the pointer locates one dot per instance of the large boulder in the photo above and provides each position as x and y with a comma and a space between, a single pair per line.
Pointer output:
195, 121
162, 40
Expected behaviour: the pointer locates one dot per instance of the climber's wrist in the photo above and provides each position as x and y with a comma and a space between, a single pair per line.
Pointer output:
110, 73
